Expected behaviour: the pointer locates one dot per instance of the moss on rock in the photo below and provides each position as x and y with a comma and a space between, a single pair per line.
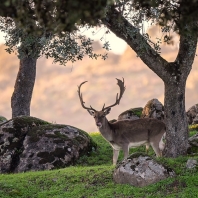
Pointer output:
136, 111
23, 121
193, 127
2, 119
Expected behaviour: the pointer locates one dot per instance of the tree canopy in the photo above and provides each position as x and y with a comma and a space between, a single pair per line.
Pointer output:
53, 15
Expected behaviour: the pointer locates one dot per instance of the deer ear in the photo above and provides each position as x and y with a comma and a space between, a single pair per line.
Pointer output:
91, 112
107, 111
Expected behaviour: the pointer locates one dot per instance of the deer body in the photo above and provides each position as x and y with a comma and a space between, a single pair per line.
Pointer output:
124, 134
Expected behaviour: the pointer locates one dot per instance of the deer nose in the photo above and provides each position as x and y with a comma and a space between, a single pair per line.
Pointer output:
99, 124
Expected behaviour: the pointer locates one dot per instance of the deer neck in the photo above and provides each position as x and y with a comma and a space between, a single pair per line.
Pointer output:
105, 130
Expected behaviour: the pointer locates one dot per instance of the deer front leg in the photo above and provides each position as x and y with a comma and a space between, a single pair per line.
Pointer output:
126, 151
115, 156
147, 147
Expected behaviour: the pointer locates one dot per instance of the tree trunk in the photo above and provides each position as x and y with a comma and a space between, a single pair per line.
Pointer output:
21, 97
175, 119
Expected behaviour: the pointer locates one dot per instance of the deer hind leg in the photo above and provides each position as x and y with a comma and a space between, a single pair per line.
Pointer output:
155, 146
126, 151
161, 144
115, 156
147, 147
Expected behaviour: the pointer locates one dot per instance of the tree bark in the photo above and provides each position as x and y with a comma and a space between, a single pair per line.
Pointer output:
21, 97
174, 75
175, 119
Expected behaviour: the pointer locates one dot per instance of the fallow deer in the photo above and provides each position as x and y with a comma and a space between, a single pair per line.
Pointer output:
124, 134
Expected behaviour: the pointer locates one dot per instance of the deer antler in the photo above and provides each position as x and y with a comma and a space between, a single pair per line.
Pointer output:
122, 89
81, 98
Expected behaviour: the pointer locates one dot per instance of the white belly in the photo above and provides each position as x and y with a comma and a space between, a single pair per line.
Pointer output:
136, 144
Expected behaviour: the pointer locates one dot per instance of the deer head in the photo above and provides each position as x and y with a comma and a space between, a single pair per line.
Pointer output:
100, 116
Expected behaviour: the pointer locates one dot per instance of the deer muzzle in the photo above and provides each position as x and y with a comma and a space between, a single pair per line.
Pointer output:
99, 124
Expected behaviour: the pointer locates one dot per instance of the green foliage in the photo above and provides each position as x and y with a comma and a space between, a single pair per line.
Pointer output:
193, 127
134, 111
171, 16
2, 119
179, 15
55, 16
92, 177
53, 31
62, 47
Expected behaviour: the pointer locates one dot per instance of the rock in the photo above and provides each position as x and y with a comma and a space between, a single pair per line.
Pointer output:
192, 114
153, 109
132, 114
191, 163
2, 119
112, 121
193, 144
28, 143
140, 170
195, 120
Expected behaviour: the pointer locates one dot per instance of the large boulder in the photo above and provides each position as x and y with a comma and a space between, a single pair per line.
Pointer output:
192, 114
153, 109
132, 114
140, 170
28, 143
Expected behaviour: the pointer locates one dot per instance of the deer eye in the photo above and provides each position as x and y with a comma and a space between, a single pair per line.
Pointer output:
94, 116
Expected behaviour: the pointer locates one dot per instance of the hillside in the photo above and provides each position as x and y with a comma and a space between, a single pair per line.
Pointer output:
55, 96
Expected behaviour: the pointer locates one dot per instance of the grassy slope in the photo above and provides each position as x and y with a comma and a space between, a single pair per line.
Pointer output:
92, 178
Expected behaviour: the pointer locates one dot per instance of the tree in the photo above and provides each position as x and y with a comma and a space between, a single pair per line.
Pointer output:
39, 27
126, 25
69, 46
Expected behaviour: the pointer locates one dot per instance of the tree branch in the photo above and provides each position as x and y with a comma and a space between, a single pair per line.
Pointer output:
187, 51
126, 31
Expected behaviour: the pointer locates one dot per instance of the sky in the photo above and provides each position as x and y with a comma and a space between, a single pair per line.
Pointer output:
1, 37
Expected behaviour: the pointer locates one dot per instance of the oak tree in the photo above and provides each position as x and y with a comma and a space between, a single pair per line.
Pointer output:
125, 19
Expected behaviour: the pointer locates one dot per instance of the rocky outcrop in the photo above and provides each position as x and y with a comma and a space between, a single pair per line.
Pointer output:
132, 114
140, 170
192, 114
28, 143
193, 144
153, 109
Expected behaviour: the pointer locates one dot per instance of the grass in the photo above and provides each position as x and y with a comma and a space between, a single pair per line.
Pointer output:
91, 177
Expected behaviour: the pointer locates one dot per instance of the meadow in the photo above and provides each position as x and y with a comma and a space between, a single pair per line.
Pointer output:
91, 177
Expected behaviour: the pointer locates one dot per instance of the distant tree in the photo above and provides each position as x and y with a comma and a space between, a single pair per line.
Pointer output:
126, 18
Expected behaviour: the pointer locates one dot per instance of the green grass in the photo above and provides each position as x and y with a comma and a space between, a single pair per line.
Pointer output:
91, 177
